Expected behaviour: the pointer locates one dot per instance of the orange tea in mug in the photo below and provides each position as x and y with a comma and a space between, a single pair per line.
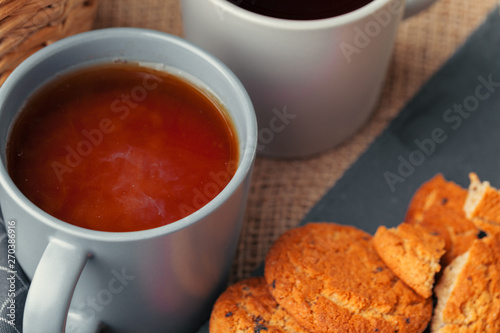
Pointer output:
121, 147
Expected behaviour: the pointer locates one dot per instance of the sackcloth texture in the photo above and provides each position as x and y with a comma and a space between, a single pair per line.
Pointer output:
283, 191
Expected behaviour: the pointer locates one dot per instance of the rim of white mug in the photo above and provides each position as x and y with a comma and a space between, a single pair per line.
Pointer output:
314, 24
244, 165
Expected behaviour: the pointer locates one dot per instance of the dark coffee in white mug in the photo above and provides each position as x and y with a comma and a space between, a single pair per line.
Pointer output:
300, 9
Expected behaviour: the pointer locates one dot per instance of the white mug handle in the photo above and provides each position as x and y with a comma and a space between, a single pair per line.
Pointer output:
51, 290
415, 6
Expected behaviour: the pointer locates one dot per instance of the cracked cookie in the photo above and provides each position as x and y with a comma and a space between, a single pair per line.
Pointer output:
412, 252
482, 206
438, 206
468, 293
330, 279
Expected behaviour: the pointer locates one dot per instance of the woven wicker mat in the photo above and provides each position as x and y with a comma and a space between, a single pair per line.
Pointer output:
283, 191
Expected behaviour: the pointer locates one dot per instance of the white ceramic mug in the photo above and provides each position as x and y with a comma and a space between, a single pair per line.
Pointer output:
159, 280
313, 83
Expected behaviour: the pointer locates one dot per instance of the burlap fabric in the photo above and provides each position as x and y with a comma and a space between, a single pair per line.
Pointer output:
283, 191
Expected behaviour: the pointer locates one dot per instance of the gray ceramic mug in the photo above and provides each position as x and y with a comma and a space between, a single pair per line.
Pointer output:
313, 83
158, 280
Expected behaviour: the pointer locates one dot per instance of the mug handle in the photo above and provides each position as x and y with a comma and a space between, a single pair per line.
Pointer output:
415, 6
51, 290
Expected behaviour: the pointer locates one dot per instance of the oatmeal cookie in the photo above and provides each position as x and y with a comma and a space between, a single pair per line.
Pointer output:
330, 278
468, 293
438, 206
248, 307
412, 252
